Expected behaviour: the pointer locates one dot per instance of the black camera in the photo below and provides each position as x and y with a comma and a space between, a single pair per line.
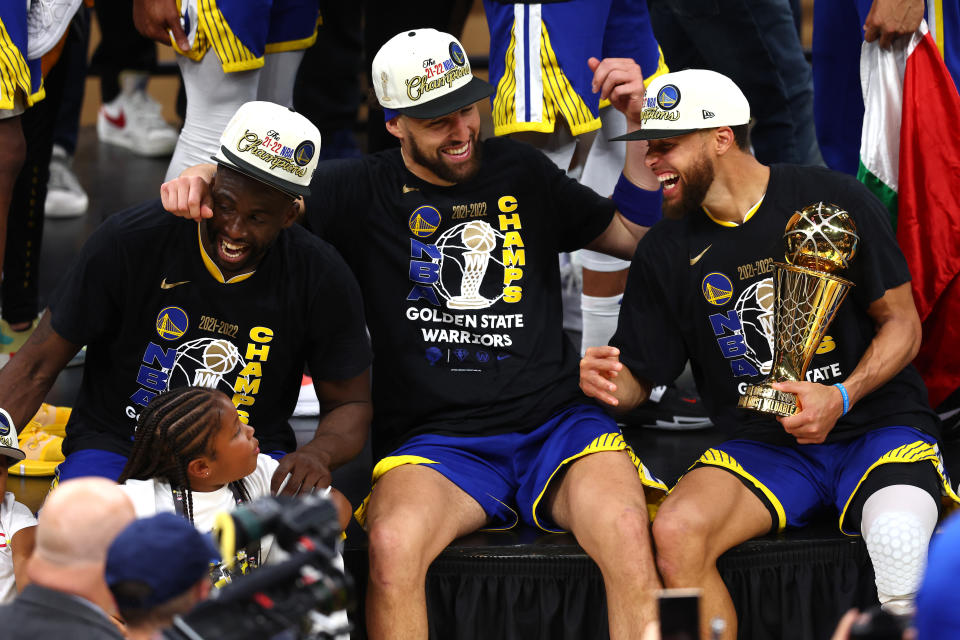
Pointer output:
290, 597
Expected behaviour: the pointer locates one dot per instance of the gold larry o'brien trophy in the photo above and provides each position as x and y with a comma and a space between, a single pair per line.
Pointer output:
820, 240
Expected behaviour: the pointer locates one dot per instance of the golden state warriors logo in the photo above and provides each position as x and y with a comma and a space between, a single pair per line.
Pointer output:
456, 54
424, 221
304, 153
172, 323
717, 288
668, 97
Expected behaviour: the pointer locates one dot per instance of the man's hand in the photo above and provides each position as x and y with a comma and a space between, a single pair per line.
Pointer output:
188, 195
598, 369
157, 19
620, 81
889, 19
309, 469
820, 406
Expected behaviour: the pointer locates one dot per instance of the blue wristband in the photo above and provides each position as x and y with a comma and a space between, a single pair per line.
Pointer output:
846, 398
637, 205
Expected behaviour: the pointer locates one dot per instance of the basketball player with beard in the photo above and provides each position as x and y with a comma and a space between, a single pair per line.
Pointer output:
478, 418
240, 302
864, 443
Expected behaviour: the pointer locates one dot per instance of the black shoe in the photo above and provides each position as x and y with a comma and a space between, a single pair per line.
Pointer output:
669, 409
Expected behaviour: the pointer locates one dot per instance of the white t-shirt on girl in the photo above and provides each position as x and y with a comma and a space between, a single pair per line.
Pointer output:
13, 517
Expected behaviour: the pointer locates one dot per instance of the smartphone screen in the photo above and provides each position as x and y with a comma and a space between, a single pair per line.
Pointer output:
679, 614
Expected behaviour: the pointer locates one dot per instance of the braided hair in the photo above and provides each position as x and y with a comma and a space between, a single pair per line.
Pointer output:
176, 427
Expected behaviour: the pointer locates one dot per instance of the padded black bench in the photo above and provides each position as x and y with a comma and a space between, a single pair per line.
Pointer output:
531, 586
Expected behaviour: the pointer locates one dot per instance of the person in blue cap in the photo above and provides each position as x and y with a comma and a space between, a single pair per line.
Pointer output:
148, 592
937, 615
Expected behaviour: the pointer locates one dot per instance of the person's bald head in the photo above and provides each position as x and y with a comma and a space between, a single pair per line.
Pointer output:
79, 520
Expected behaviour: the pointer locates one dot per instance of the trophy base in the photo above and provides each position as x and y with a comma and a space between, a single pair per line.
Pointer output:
465, 302
766, 399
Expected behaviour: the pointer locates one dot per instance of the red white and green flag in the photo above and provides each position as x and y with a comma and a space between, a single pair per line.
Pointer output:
910, 158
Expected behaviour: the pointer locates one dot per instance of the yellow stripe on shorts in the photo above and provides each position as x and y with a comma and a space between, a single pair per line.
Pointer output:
914, 452
717, 458
14, 73
610, 442
386, 464
214, 31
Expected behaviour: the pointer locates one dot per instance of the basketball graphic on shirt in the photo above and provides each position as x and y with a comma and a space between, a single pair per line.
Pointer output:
755, 309
470, 265
479, 236
220, 356
206, 362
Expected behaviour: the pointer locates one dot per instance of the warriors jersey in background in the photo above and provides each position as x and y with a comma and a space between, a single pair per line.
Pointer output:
538, 59
242, 31
17, 74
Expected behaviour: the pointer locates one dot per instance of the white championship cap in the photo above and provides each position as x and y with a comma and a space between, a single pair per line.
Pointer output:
9, 446
273, 144
425, 74
685, 101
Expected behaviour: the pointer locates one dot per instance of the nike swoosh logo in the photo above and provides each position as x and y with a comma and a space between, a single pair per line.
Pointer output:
170, 285
119, 121
696, 259
407, 189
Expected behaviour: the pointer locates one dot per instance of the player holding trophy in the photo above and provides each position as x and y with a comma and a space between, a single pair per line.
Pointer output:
864, 441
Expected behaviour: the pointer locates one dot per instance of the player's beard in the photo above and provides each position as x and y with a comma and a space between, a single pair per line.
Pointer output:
459, 172
694, 185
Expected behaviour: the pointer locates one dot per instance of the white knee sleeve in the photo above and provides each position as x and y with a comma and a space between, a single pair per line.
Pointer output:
595, 261
277, 77
213, 96
604, 162
897, 524
600, 316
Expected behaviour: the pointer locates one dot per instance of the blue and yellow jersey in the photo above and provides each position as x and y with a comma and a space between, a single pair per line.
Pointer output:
17, 74
538, 59
242, 31
943, 18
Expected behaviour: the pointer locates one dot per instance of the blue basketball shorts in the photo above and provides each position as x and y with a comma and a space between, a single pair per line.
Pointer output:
538, 59
512, 470
18, 76
797, 482
242, 31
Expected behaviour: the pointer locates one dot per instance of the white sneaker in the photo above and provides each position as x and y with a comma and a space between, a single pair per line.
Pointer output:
65, 197
46, 22
133, 121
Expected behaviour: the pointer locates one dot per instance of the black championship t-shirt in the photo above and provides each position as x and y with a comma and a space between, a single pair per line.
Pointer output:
704, 291
154, 318
461, 286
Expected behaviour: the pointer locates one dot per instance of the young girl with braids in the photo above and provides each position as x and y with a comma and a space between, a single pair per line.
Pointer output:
192, 455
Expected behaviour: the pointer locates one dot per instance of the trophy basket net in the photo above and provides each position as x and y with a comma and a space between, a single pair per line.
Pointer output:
807, 302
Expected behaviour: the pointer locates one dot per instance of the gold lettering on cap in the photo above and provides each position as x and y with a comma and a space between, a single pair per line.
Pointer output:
419, 85
250, 143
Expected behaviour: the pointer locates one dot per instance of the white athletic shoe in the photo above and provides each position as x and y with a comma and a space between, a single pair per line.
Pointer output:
307, 403
133, 121
65, 197
46, 22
